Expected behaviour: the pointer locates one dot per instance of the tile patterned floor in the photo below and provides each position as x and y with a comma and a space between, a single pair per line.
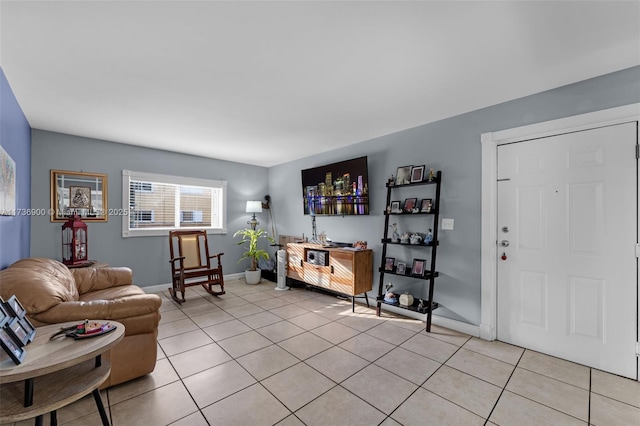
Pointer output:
257, 356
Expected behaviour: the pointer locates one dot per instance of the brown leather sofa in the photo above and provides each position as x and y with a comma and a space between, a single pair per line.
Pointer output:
52, 293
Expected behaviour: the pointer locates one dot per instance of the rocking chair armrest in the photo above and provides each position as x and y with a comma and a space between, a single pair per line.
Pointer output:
180, 258
216, 255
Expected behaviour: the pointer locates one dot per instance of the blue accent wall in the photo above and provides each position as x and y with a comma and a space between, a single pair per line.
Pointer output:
15, 138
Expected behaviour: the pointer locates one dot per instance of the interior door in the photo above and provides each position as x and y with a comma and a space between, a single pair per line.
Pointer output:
567, 230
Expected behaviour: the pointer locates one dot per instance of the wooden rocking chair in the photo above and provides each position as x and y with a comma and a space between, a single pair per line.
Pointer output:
191, 263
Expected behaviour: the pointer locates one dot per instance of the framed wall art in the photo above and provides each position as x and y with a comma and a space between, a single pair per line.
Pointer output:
81, 193
7, 184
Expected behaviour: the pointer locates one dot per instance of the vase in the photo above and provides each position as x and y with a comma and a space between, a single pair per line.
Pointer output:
252, 277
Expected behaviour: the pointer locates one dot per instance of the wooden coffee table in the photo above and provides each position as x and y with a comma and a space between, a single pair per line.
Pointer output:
55, 373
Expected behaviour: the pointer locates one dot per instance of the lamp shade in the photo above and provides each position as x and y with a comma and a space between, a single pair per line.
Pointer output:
254, 206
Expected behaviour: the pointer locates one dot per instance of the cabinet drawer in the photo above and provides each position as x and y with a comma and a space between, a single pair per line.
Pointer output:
317, 275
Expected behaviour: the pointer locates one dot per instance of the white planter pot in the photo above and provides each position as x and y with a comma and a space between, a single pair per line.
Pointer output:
252, 277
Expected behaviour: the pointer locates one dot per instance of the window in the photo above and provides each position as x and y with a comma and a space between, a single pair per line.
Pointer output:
158, 203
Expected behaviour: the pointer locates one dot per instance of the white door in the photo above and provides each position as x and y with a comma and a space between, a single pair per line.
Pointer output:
567, 230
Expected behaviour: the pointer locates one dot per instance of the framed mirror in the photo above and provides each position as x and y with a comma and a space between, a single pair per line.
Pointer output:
81, 193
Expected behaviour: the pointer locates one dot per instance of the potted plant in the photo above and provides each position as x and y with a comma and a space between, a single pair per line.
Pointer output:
251, 237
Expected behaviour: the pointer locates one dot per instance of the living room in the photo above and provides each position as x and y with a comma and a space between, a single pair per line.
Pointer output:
450, 144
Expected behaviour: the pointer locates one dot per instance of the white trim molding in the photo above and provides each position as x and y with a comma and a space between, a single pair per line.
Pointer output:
490, 142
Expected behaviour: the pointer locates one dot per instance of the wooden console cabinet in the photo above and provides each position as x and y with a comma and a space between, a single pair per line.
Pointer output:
344, 271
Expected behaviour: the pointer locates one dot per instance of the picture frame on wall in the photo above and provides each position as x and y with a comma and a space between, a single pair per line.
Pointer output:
418, 267
417, 174
15, 352
403, 175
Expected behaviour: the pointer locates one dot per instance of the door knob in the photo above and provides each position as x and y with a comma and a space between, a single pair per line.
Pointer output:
504, 243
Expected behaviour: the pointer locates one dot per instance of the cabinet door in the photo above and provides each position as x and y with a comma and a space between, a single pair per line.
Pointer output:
295, 255
317, 275
342, 275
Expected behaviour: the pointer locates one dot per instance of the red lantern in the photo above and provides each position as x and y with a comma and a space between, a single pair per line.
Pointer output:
74, 242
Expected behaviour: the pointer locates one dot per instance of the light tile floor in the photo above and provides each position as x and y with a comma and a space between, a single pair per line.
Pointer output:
257, 356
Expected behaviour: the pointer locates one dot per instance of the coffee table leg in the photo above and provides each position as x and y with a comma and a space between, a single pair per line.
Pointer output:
28, 392
54, 418
103, 414
39, 420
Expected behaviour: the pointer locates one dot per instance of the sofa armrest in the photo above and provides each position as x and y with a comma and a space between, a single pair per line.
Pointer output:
117, 309
94, 279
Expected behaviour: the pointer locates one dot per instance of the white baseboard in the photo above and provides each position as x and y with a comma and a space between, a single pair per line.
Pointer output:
462, 327
163, 287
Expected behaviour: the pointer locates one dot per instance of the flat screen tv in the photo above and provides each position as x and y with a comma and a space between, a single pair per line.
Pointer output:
337, 189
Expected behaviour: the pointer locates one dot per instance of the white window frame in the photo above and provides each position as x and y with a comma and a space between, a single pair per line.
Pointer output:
128, 176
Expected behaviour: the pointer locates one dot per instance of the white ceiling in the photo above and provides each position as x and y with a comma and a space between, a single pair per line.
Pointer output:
268, 82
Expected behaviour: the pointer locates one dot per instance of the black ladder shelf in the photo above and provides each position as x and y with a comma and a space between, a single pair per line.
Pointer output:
430, 274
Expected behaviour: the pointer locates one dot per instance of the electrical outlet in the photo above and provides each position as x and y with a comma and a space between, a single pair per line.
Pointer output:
447, 224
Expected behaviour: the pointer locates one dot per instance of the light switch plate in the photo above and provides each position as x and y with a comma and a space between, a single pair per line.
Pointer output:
447, 224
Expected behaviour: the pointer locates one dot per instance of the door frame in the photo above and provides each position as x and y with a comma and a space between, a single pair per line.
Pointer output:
490, 142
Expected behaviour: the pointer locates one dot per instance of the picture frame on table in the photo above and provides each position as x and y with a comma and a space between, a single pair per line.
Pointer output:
426, 205
409, 205
29, 328
18, 333
15, 352
417, 174
401, 268
4, 316
403, 175
388, 263
14, 308
418, 267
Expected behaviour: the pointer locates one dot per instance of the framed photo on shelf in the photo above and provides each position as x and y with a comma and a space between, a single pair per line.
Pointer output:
409, 204
401, 268
14, 307
418, 267
403, 175
395, 207
9, 346
17, 332
417, 174
388, 263
426, 205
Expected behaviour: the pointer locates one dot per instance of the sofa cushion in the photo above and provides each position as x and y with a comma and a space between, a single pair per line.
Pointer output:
93, 279
39, 283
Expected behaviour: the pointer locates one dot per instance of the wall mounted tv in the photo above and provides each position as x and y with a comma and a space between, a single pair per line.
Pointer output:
337, 189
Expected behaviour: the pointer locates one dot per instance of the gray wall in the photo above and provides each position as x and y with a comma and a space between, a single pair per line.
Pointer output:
147, 256
453, 146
